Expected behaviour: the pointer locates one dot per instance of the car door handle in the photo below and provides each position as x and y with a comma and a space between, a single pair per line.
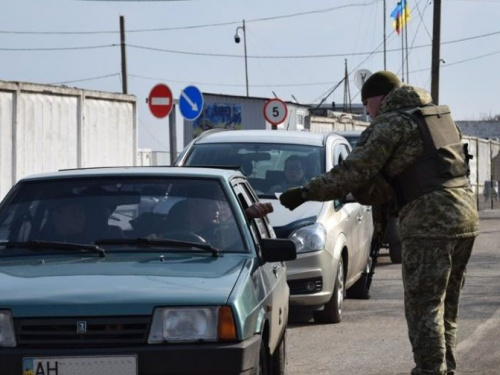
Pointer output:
275, 270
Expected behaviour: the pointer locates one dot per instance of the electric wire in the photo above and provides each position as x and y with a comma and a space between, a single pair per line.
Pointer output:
206, 54
194, 26
85, 79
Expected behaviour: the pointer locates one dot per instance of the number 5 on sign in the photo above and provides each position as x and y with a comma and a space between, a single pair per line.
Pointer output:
275, 111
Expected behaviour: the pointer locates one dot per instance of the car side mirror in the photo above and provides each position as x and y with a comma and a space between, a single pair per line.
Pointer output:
277, 249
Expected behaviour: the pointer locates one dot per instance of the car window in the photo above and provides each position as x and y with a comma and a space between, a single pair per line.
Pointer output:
259, 227
352, 139
264, 164
86, 211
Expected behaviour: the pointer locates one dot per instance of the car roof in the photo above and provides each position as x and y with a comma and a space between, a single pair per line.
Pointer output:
349, 133
266, 136
162, 171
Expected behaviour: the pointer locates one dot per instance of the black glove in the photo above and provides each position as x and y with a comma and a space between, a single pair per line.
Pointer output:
292, 198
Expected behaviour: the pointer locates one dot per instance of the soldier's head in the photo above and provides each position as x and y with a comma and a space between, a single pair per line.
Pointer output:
376, 87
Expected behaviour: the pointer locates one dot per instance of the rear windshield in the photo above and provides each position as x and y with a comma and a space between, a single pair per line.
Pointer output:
270, 168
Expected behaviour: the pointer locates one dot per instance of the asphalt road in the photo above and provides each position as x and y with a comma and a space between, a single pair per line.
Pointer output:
372, 338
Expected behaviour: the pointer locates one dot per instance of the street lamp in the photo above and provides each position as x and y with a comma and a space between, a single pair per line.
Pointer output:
237, 39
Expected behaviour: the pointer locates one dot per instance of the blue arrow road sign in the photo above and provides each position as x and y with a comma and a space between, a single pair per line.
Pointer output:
191, 103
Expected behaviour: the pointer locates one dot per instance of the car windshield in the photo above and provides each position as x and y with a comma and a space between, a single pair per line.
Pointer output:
116, 213
270, 168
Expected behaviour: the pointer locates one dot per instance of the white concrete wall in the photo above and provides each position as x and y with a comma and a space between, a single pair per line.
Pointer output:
45, 128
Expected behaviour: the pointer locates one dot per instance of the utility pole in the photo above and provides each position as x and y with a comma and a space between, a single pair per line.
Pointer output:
436, 41
124, 57
347, 92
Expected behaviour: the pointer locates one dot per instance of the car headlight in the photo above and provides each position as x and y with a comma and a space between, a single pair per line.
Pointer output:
7, 336
191, 324
310, 238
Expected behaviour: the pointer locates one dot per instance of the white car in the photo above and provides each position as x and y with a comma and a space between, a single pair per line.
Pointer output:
333, 238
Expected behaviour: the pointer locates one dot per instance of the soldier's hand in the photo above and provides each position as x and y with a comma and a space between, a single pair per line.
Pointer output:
292, 198
258, 210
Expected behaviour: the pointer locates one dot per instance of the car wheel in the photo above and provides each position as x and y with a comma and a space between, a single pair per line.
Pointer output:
361, 288
279, 357
264, 359
395, 251
332, 312
394, 240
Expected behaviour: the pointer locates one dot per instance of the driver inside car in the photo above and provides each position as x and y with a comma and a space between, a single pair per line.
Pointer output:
209, 220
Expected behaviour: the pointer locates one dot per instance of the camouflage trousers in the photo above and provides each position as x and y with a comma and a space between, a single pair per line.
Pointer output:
432, 276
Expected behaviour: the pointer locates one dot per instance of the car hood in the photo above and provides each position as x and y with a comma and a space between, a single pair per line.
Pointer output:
117, 284
282, 216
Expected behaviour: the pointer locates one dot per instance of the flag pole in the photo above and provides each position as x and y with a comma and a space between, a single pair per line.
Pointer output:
385, 38
402, 53
406, 46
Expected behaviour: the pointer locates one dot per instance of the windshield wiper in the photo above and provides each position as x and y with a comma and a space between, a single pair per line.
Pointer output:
142, 241
56, 245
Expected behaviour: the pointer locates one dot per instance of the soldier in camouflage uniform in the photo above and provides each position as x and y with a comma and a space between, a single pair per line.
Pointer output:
438, 215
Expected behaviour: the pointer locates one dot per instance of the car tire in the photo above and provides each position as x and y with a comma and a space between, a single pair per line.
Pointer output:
361, 288
394, 241
332, 311
279, 357
264, 366
396, 252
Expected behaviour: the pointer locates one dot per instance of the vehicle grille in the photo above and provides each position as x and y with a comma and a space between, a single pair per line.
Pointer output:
99, 331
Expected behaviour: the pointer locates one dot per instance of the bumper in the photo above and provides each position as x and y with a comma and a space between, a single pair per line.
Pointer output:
319, 265
217, 358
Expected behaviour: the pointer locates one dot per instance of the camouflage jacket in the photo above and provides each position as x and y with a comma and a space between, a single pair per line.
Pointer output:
388, 146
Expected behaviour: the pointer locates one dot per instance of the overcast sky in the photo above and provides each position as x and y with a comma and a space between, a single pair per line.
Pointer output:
294, 47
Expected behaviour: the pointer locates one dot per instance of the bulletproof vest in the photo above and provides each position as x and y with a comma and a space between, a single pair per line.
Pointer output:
443, 163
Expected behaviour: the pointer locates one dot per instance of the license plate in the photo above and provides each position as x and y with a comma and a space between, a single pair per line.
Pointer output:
109, 365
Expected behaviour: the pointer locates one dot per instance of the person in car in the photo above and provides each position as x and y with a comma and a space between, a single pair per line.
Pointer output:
65, 222
397, 156
80, 219
208, 220
294, 174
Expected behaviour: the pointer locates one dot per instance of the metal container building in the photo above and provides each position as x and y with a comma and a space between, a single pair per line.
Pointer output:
240, 112
45, 128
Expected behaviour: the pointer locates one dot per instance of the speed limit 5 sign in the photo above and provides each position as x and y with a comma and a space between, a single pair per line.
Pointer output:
275, 111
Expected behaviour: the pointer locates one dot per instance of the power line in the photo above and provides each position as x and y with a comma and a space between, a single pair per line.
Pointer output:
56, 48
227, 84
164, 50
447, 65
326, 94
191, 26
85, 79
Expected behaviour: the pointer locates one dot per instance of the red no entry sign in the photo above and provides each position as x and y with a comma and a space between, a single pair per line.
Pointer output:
160, 101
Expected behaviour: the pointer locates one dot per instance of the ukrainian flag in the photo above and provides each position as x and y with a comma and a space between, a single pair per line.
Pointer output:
401, 15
